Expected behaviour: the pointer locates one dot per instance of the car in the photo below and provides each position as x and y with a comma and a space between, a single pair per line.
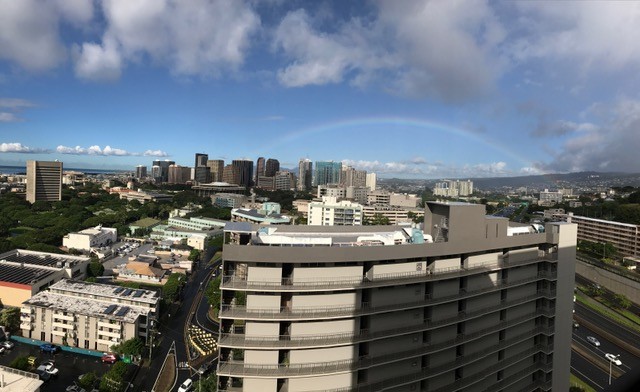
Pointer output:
48, 369
32, 361
43, 375
2, 349
109, 358
74, 388
204, 368
593, 340
186, 385
49, 348
7, 344
614, 358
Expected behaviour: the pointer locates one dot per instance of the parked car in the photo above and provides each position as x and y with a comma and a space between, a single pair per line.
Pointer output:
204, 368
43, 375
49, 348
2, 349
74, 388
614, 358
593, 340
186, 385
7, 344
109, 358
48, 368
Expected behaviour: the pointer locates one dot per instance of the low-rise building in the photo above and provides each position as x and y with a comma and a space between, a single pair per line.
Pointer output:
396, 215
624, 236
549, 198
197, 223
404, 200
142, 269
144, 197
330, 212
302, 206
17, 380
89, 315
144, 224
207, 190
23, 273
228, 200
88, 239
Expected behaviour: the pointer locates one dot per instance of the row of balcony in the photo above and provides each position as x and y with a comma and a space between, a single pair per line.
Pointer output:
241, 369
365, 335
321, 312
233, 282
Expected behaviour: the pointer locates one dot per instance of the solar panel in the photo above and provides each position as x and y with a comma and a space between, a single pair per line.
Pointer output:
123, 310
138, 293
110, 309
127, 292
118, 290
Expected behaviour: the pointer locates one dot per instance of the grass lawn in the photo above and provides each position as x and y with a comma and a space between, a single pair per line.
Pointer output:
20, 230
575, 381
606, 311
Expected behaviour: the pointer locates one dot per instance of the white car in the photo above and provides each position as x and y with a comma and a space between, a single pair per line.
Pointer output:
614, 358
7, 344
186, 385
49, 369
593, 340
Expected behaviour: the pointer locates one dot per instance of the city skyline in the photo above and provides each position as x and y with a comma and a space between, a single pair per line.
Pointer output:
393, 88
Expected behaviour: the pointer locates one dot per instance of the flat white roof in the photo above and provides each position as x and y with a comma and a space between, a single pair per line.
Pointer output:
604, 221
17, 380
107, 291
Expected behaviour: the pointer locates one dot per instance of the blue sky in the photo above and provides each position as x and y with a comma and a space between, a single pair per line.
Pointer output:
414, 89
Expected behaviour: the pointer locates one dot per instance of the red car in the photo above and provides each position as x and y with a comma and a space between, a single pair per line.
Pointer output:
109, 358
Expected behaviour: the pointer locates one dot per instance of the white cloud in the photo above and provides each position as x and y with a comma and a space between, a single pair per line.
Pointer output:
19, 148
13, 106
106, 151
8, 117
198, 37
421, 168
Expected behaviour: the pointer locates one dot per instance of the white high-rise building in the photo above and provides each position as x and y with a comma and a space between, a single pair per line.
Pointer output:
370, 181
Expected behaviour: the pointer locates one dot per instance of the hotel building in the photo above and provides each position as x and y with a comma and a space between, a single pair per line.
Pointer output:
469, 305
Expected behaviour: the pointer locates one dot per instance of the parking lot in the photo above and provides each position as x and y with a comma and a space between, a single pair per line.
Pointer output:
70, 365
117, 261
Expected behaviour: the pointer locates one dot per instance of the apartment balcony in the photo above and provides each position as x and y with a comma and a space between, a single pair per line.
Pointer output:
105, 333
26, 325
232, 282
58, 332
102, 325
328, 340
335, 312
241, 369
107, 342
64, 326
26, 317
61, 316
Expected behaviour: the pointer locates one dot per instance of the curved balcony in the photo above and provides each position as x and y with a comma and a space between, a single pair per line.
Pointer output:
328, 340
232, 282
317, 312
241, 369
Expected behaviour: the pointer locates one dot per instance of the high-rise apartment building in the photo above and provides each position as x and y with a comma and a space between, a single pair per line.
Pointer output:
453, 188
245, 171
376, 308
259, 169
327, 173
141, 171
271, 167
353, 177
201, 172
44, 181
305, 175
216, 167
371, 181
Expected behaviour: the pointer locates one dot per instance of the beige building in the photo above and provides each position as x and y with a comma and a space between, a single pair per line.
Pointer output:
23, 273
376, 308
44, 181
395, 215
624, 236
330, 212
14, 380
87, 239
404, 200
89, 315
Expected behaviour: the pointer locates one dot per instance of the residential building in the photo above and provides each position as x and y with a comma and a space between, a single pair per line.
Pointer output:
396, 215
89, 315
371, 181
372, 308
23, 273
228, 200
305, 175
216, 167
357, 194
331, 212
549, 198
284, 181
453, 188
141, 172
244, 170
88, 239
44, 181
197, 223
379, 197
156, 173
624, 236
302, 206
271, 167
18, 380
353, 177
143, 269
259, 168
404, 200
555, 214
179, 174
70, 177
266, 183
327, 173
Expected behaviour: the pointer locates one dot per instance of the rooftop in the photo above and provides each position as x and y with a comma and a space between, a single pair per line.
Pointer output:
17, 380
12, 273
43, 259
106, 290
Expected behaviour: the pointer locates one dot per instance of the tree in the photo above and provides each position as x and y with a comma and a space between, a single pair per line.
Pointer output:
194, 255
621, 301
133, 346
208, 384
20, 363
95, 269
112, 381
10, 318
212, 293
377, 220
172, 288
87, 380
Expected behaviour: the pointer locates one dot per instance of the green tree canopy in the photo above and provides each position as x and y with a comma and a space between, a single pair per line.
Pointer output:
10, 318
133, 346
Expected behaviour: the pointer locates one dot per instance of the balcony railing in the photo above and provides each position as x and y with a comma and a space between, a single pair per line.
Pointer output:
241, 369
321, 312
232, 282
266, 342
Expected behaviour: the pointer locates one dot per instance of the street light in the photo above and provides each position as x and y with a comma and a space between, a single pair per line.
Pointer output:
610, 364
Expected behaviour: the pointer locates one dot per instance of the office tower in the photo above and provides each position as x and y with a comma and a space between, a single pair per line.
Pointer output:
245, 171
272, 166
259, 168
305, 175
371, 181
164, 169
353, 177
216, 167
468, 305
201, 173
231, 175
141, 171
284, 181
327, 173
179, 174
44, 181
156, 173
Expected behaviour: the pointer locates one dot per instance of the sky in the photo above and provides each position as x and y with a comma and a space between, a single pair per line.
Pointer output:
406, 89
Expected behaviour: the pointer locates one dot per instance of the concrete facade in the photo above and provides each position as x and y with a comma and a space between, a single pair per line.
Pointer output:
90, 238
44, 181
384, 308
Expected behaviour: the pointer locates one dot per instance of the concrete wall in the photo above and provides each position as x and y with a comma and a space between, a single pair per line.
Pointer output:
397, 294
326, 300
614, 282
253, 328
394, 345
257, 302
330, 354
259, 384
386, 321
261, 357
264, 274
484, 259
344, 380
327, 274
314, 328
397, 268
14, 294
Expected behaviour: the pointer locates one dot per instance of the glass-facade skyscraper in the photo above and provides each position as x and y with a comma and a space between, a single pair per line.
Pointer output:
327, 173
